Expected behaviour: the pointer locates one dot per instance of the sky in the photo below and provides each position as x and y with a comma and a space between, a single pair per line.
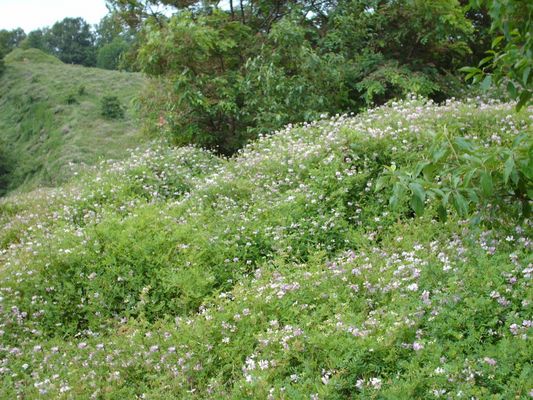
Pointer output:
32, 14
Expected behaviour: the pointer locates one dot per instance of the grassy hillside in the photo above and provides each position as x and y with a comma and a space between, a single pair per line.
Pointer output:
50, 118
278, 274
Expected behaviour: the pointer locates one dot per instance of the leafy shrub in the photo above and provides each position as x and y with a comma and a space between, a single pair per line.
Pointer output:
466, 175
227, 80
109, 55
509, 61
111, 108
71, 99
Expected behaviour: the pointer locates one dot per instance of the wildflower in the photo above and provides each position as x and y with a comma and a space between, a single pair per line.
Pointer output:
417, 346
490, 361
375, 383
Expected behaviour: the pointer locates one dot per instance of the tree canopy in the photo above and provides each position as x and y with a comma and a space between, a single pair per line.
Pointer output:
233, 71
72, 41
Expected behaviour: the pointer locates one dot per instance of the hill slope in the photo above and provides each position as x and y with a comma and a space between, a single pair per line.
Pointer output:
277, 274
50, 117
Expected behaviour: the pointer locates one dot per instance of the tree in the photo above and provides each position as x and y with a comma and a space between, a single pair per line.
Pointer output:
72, 41
114, 41
229, 75
10, 39
109, 55
510, 60
36, 40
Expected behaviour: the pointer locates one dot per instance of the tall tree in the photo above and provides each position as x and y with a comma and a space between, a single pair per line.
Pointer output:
72, 41
10, 39
114, 40
36, 40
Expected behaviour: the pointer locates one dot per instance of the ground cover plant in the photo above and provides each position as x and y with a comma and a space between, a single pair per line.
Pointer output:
294, 270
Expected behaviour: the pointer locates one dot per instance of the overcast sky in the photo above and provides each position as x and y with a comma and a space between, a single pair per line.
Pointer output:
32, 14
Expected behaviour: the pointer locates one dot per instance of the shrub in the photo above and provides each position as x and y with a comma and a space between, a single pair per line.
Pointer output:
71, 99
109, 55
111, 107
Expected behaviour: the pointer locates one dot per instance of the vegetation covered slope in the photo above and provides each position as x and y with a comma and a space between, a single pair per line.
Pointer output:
50, 118
280, 273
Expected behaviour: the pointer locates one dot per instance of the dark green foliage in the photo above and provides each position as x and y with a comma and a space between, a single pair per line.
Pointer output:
229, 76
71, 99
10, 40
115, 43
72, 41
109, 55
510, 60
467, 177
111, 108
5, 168
36, 39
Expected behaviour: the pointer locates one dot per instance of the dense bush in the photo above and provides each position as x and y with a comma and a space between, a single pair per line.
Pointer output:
111, 108
467, 176
109, 55
510, 59
226, 79
71, 99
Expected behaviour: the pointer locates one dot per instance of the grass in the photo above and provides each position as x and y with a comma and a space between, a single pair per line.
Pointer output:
50, 118
277, 274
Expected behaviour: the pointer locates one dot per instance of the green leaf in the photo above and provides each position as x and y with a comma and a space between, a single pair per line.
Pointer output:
417, 205
468, 177
428, 172
486, 184
469, 69
381, 183
496, 41
418, 197
523, 100
487, 82
463, 144
460, 204
486, 60
397, 193
418, 190
419, 167
525, 76
445, 199
438, 154
508, 168
443, 214
511, 89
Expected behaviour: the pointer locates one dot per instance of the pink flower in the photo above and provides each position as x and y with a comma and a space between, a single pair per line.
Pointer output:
490, 361
417, 346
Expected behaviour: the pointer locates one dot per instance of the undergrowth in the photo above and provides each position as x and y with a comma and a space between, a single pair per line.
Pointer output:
280, 273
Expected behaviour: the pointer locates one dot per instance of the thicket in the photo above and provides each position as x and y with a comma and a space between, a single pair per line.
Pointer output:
228, 75
510, 59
